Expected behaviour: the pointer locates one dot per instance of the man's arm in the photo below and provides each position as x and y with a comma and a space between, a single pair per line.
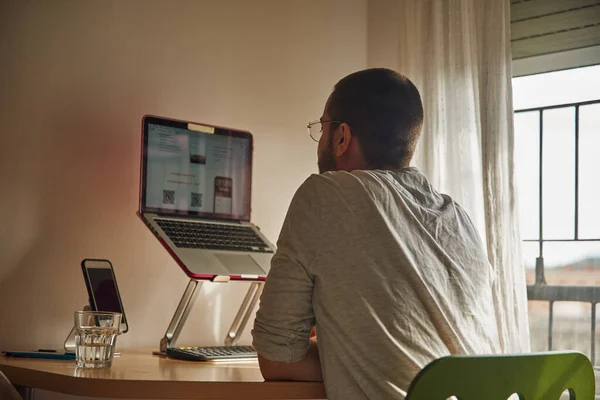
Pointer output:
307, 369
285, 318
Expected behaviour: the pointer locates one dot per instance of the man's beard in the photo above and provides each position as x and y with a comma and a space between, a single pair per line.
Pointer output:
326, 161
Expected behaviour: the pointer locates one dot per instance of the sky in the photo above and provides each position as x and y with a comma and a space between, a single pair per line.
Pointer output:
560, 87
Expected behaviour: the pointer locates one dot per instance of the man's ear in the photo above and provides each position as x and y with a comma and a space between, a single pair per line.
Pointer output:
342, 139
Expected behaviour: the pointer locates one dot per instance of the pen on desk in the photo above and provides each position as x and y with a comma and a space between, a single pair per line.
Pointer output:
46, 351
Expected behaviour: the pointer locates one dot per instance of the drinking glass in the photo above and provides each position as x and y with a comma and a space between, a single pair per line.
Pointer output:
95, 338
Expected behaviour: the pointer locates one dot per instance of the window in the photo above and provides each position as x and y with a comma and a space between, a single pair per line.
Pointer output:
557, 145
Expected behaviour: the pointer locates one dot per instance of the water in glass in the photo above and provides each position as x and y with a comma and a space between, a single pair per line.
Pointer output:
95, 338
95, 347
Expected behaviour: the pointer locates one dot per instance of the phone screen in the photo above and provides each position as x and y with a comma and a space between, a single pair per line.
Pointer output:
104, 292
223, 195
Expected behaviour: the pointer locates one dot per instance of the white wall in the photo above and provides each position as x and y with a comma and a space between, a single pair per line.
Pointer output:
76, 78
383, 39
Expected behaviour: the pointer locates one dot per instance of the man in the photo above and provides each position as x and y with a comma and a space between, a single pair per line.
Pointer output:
392, 272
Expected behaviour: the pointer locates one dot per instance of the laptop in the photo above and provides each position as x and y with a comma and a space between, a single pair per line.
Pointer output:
195, 197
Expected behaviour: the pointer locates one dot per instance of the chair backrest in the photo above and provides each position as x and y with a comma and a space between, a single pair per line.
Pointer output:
537, 376
7, 391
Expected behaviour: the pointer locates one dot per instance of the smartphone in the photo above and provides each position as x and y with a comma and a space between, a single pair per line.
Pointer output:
102, 288
223, 195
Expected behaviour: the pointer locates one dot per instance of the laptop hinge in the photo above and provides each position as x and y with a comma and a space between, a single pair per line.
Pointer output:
195, 218
221, 278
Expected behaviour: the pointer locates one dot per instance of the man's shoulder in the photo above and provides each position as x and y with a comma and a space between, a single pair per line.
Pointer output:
339, 178
327, 183
343, 181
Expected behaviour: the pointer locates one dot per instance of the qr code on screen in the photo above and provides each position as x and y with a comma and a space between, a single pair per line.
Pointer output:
168, 197
196, 199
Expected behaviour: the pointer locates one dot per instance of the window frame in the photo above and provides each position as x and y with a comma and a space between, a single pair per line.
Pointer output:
541, 290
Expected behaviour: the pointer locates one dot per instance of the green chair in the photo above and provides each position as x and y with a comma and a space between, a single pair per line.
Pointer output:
537, 376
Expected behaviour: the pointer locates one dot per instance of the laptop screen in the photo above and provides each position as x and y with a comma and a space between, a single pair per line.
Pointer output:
196, 170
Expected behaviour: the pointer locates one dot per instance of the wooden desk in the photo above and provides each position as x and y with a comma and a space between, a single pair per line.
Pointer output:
139, 374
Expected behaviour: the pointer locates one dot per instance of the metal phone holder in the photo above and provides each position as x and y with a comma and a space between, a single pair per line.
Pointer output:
187, 302
70, 340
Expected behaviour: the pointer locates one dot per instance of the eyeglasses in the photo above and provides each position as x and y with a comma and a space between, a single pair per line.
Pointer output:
315, 128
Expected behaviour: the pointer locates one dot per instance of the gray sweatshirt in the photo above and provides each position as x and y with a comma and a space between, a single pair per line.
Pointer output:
393, 274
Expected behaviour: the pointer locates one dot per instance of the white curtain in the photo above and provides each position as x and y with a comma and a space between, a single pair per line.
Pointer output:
457, 52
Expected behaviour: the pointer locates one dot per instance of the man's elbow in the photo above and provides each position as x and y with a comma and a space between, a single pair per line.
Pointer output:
307, 370
272, 370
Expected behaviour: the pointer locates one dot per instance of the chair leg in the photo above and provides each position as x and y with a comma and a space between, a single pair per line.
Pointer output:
26, 393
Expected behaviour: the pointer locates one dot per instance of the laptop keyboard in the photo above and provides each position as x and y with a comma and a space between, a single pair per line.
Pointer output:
198, 235
211, 353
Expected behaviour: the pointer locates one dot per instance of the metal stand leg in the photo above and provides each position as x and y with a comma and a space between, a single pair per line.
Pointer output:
186, 303
550, 323
593, 350
180, 316
241, 319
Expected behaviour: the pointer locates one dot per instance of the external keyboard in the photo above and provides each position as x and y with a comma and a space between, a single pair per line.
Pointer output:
212, 353
200, 235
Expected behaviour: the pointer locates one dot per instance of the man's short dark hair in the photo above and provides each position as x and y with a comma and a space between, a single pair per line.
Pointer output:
385, 113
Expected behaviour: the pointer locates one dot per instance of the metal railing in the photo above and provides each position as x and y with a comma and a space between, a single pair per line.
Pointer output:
541, 290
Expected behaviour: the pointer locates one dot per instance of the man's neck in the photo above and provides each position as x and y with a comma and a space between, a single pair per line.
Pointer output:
388, 167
